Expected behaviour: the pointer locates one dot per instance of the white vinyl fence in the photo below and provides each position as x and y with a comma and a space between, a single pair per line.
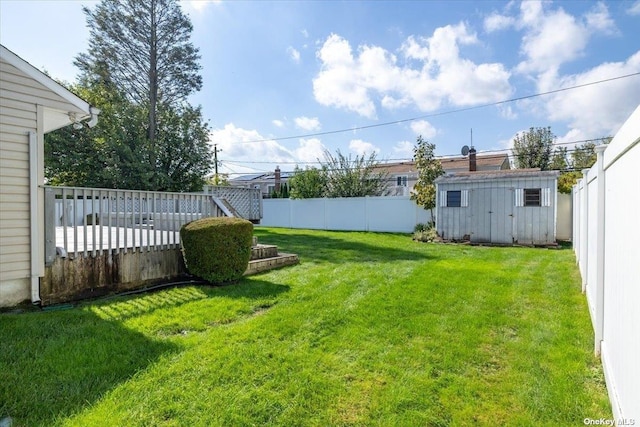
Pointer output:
606, 222
387, 214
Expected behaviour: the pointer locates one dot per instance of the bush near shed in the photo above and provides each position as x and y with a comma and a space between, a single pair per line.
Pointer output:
217, 249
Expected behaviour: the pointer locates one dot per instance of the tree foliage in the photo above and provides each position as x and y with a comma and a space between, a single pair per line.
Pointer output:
144, 48
567, 180
308, 183
429, 168
582, 157
139, 69
340, 175
532, 149
559, 159
354, 177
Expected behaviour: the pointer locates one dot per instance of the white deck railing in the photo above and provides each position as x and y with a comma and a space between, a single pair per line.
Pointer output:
87, 221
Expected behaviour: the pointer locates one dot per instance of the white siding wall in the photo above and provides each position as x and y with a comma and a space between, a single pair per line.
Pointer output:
17, 117
23, 102
386, 214
609, 258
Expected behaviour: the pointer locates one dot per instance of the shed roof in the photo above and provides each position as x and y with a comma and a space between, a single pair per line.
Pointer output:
54, 118
498, 174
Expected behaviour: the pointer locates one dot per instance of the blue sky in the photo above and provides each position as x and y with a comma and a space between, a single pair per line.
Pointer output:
281, 69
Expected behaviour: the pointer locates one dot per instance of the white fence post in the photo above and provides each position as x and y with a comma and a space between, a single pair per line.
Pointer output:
584, 227
600, 230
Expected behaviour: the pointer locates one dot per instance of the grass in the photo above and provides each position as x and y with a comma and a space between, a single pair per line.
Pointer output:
369, 329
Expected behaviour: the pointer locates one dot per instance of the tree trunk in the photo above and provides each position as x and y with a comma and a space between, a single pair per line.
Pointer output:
153, 91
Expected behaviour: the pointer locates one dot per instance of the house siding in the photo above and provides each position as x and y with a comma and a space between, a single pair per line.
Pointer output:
20, 97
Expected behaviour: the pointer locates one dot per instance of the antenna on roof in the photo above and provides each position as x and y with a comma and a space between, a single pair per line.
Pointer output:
465, 150
471, 137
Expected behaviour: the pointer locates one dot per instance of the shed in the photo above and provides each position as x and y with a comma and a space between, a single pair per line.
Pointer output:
31, 104
504, 207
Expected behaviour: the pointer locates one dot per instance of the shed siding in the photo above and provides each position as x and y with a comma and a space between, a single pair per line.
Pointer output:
493, 215
17, 118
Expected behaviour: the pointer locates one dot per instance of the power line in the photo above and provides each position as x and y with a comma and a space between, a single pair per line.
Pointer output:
442, 113
489, 155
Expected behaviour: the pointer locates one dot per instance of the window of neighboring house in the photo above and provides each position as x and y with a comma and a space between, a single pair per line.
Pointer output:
271, 189
454, 199
532, 197
401, 180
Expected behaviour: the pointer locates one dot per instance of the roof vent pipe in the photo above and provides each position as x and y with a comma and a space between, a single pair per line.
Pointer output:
472, 159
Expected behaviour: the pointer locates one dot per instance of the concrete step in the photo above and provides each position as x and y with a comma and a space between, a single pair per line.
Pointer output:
265, 264
261, 251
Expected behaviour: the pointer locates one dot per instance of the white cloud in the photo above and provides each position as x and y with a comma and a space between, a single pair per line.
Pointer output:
235, 146
307, 123
293, 54
596, 110
424, 128
199, 5
634, 9
598, 18
309, 151
336, 85
507, 112
552, 37
403, 149
278, 123
361, 147
497, 22
434, 73
304, 33
238, 154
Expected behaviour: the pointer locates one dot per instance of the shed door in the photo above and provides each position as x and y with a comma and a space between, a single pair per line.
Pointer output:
492, 217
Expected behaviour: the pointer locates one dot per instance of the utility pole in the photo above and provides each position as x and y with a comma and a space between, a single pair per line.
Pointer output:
215, 162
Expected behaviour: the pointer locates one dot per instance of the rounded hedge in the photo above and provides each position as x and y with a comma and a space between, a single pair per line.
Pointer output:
217, 249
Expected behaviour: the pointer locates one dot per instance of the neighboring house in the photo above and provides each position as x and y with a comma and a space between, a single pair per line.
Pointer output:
517, 206
404, 175
31, 104
266, 182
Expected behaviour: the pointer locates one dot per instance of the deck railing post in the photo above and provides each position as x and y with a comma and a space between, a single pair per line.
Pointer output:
50, 226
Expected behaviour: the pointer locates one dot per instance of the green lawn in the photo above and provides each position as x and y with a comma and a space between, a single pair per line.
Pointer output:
369, 329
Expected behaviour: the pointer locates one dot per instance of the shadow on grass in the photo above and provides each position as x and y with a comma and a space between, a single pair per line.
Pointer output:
53, 364
127, 306
331, 247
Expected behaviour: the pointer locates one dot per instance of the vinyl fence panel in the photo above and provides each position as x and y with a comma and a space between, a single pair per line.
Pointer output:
385, 214
606, 236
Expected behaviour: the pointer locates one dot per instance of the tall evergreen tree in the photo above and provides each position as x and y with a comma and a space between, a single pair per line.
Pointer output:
143, 50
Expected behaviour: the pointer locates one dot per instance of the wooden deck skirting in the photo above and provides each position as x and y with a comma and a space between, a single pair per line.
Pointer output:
94, 270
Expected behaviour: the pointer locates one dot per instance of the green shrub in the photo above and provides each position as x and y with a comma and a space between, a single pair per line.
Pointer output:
425, 233
217, 249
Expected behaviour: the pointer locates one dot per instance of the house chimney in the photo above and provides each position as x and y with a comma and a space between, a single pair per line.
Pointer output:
472, 159
277, 179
